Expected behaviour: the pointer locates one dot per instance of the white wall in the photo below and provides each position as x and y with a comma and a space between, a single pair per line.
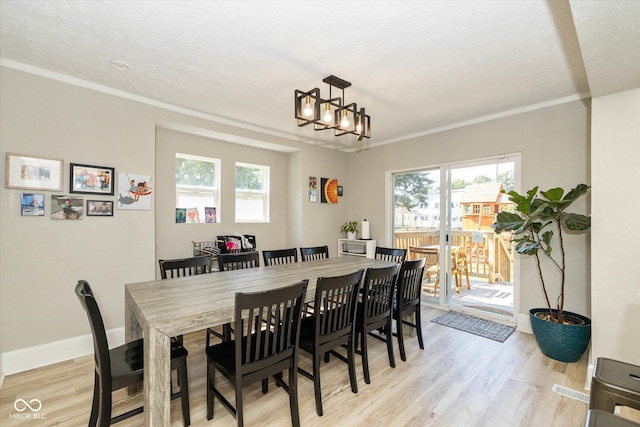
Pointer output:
615, 266
41, 259
554, 145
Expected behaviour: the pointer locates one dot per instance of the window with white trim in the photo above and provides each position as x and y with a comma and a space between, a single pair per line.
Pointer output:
252, 193
198, 186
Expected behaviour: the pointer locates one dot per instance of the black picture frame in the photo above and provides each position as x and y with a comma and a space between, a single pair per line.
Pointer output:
99, 207
89, 179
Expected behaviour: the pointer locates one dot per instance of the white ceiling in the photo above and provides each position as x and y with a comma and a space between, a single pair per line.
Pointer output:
416, 66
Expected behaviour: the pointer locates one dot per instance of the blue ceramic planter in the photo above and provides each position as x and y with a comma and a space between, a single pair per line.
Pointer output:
566, 343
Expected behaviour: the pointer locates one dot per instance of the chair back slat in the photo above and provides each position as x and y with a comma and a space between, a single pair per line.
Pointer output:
280, 256
314, 253
410, 283
172, 268
269, 326
336, 300
238, 261
390, 254
377, 295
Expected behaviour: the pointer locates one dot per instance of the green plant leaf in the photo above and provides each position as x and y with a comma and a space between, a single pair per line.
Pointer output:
575, 222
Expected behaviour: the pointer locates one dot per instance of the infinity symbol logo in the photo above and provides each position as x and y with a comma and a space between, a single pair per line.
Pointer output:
21, 405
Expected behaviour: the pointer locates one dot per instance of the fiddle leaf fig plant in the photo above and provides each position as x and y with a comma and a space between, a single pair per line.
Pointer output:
534, 225
349, 227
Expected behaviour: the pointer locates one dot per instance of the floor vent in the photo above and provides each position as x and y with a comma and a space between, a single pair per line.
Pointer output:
582, 397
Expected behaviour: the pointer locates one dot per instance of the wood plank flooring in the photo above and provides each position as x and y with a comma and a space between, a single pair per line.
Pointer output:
459, 379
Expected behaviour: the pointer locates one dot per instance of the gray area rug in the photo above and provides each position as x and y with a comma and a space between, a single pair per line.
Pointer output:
475, 325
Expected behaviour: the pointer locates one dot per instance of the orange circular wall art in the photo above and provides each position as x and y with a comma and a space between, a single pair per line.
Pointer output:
329, 192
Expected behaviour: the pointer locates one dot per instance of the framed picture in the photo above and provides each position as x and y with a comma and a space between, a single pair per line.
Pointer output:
87, 179
339, 190
210, 215
181, 215
328, 190
313, 183
313, 196
99, 208
35, 173
31, 204
134, 191
67, 207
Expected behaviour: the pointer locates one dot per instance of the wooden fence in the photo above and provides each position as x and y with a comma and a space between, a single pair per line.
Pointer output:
492, 258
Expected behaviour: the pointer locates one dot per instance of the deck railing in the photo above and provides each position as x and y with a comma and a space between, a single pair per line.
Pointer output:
490, 255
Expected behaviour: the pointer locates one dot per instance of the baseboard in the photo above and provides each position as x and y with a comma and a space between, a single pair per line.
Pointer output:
28, 358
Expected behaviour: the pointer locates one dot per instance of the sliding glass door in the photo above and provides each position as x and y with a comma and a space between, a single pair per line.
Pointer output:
444, 214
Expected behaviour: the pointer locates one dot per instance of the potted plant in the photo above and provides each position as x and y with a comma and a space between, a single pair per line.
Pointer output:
350, 227
560, 334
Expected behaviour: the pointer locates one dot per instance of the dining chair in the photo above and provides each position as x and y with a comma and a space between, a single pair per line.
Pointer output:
280, 256
183, 267
331, 325
313, 253
226, 262
407, 301
123, 366
390, 254
460, 265
265, 344
238, 261
375, 311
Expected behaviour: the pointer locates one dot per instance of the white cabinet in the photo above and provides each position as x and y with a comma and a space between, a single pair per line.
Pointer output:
356, 247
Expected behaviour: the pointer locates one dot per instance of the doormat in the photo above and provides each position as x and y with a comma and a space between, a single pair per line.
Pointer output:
475, 325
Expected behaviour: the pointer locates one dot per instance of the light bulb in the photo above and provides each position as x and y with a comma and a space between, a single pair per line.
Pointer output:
328, 117
345, 120
359, 126
308, 109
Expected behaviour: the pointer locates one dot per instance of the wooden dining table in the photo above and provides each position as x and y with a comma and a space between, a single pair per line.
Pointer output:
160, 309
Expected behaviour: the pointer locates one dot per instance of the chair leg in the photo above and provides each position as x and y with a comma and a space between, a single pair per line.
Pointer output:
419, 327
239, 414
293, 395
105, 403
265, 386
389, 334
351, 361
211, 383
184, 391
403, 355
365, 358
316, 383
93, 419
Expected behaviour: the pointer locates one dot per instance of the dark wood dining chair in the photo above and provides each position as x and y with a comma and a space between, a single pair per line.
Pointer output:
280, 256
407, 300
123, 366
237, 261
226, 262
391, 254
331, 325
182, 267
313, 253
265, 344
375, 312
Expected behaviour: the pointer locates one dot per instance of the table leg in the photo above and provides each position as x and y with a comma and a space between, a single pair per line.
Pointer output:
132, 331
157, 371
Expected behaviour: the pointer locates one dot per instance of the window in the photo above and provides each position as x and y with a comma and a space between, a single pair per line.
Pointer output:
252, 193
476, 209
486, 209
197, 185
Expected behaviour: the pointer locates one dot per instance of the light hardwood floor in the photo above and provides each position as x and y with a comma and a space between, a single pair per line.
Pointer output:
459, 379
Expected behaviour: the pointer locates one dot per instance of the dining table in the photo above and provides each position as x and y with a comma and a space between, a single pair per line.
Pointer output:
160, 309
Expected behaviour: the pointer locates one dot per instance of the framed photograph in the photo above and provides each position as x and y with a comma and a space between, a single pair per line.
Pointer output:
67, 207
313, 196
35, 173
99, 208
32, 204
313, 183
87, 179
339, 190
